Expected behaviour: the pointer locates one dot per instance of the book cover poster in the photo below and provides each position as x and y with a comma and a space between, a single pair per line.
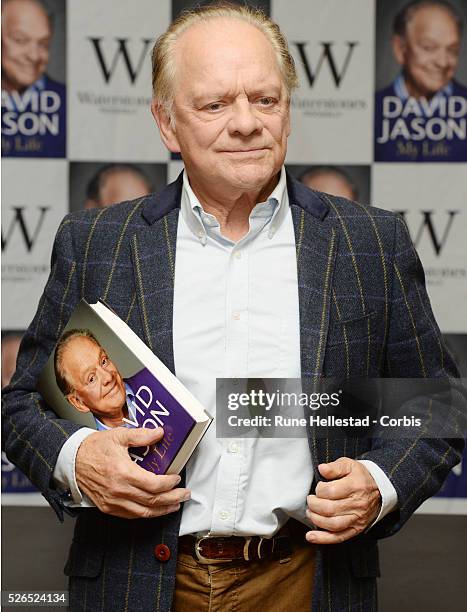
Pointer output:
101, 184
34, 201
332, 45
33, 78
433, 201
421, 82
110, 80
94, 379
351, 182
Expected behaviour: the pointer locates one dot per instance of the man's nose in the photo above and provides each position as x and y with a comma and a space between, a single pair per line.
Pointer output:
443, 58
106, 376
33, 52
244, 120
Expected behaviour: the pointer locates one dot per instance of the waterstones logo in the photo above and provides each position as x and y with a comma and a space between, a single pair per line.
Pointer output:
117, 57
326, 58
27, 230
117, 54
328, 62
437, 232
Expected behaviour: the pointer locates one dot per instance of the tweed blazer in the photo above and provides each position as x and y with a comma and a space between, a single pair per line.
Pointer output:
364, 312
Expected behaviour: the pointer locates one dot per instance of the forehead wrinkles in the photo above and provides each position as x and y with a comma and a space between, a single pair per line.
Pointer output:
223, 50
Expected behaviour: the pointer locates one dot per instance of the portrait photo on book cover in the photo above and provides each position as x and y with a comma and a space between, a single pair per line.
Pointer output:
421, 81
33, 78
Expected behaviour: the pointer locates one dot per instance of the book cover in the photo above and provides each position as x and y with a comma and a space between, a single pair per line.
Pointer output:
102, 375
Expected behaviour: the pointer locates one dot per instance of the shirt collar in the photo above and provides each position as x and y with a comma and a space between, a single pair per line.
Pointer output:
401, 89
201, 224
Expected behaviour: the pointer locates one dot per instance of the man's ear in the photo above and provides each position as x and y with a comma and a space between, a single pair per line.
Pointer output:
398, 48
77, 403
166, 128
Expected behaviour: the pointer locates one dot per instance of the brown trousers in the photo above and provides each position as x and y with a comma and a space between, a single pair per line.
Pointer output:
269, 585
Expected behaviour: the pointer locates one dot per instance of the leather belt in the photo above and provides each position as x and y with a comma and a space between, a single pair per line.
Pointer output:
221, 549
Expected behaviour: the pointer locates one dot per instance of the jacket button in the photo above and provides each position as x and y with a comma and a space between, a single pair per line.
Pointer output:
162, 552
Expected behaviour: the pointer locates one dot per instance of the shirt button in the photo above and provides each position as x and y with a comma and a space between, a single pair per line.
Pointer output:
233, 447
162, 552
224, 515
200, 233
236, 316
238, 255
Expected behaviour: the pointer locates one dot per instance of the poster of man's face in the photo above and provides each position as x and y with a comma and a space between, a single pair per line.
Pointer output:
351, 182
421, 114
89, 379
97, 185
33, 75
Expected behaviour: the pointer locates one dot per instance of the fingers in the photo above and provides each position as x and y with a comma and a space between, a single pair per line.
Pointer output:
336, 489
326, 537
133, 510
170, 498
332, 523
330, 507
336, 469
138, 436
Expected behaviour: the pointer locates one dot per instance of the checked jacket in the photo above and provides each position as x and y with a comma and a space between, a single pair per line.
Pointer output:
364, 312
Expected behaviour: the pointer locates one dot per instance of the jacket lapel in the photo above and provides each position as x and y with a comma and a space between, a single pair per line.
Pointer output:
153, 258
316, 245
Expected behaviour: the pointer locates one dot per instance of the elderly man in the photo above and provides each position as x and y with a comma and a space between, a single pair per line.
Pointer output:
89, 379
234, 270
421, 116
33, 104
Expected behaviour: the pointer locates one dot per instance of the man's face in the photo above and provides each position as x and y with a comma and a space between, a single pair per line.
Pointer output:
26, 38
119, 187
429, 52
96, 382
231, 109
330, 182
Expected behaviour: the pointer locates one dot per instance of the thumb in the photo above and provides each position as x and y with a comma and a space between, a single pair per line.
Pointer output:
336, 469
140, 436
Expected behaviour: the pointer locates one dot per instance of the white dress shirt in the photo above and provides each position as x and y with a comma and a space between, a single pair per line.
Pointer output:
236, 315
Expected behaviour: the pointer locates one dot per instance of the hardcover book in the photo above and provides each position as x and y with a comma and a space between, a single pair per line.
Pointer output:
102, 375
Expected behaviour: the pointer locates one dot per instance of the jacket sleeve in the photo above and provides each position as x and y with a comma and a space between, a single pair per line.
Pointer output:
417, 467
32, 433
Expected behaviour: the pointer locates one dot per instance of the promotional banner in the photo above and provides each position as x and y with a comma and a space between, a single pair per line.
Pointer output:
432, 199
33, 79
421, 82
110, 79
34, 201
95, 184
382, 101
331, 43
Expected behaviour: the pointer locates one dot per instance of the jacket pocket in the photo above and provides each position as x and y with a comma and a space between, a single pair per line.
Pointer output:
352, 330
87, 550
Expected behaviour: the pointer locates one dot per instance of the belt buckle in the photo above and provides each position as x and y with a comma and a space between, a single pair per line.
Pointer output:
206, 560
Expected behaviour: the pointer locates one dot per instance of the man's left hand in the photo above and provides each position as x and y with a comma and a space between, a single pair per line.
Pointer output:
345, 505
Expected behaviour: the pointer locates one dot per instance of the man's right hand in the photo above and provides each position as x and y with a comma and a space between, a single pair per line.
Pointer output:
116, 484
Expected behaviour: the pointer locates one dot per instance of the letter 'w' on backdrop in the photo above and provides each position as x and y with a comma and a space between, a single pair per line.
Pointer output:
332, 44
432, 200
110, 79
28, 226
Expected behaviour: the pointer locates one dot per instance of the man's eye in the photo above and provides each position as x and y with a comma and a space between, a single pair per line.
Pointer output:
266, 101
91, 379
105, 361
215, 106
